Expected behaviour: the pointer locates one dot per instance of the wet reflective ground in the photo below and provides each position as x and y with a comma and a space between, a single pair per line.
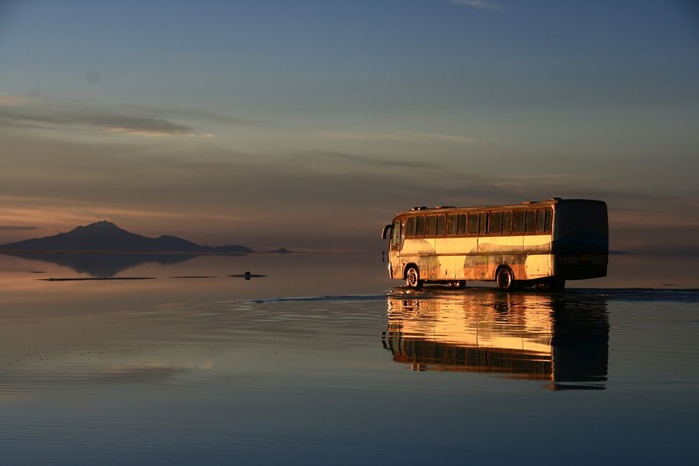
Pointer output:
323, 360
563, 339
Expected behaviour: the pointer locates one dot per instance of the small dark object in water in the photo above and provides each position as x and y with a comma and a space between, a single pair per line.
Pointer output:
247, 275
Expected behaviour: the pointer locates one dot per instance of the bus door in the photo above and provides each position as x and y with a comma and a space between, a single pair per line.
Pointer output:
396, 234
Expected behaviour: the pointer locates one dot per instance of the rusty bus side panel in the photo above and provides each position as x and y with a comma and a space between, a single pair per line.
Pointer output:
475, 258
539, 242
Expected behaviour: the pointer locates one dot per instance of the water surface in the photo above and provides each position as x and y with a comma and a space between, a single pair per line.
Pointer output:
325, 360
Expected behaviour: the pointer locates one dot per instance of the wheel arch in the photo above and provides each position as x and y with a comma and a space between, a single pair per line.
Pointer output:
505, 278
499, 268
407, 266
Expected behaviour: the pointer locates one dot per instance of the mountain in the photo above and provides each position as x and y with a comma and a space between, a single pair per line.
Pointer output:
107, 237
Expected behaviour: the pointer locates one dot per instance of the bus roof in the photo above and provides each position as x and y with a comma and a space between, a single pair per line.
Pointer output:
522, 205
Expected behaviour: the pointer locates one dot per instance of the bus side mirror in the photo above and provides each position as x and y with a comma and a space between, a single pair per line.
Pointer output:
386, 231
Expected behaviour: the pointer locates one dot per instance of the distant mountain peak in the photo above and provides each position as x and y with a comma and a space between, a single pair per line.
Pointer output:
99, 229
106, 236
102, 224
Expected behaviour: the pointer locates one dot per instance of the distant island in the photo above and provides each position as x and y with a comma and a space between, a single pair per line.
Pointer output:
105, 237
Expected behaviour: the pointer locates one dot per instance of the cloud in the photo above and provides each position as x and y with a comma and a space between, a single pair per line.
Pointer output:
74, 210
401, 136
442, 137
176, 112
480, 4
52, 116
363, 163
143, 126
214, 195
18, 111
140, 126
10, 100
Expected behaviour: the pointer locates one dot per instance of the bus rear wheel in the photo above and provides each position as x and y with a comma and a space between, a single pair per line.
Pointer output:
412, 277
505, 279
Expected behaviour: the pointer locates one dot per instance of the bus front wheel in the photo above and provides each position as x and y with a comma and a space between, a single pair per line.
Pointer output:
505, 279
412, 277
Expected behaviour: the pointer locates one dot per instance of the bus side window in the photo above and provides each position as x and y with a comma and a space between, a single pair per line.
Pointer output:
431, 225
518, 224
441, 225
506, 223
473, 224
495, 226
483, 228
543, 221
530, 221
452, 223
410, 227
420, 225
462, 225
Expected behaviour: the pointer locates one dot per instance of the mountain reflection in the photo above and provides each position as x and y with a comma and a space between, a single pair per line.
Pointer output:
105, 265
560, 338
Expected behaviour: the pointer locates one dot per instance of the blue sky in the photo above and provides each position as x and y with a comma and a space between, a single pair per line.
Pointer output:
310, 123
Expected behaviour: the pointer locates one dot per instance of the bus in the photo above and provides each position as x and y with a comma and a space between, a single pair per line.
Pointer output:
536, 243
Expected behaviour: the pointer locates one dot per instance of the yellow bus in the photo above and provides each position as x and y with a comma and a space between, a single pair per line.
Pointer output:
539, 244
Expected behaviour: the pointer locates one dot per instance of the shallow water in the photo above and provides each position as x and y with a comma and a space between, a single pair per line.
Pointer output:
326, 360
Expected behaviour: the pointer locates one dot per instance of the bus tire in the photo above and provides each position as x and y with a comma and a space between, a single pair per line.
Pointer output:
505, 279
412, 277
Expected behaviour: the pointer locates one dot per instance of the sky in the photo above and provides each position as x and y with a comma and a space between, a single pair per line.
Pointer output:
308, 124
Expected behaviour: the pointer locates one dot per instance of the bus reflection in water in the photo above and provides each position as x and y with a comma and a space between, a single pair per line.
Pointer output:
529, 336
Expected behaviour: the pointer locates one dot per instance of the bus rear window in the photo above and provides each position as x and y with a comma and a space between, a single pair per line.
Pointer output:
583, 218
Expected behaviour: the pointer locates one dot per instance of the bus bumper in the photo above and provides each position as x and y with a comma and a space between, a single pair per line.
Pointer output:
581, 267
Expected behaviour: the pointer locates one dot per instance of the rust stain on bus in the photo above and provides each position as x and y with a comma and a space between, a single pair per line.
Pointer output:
534, 243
